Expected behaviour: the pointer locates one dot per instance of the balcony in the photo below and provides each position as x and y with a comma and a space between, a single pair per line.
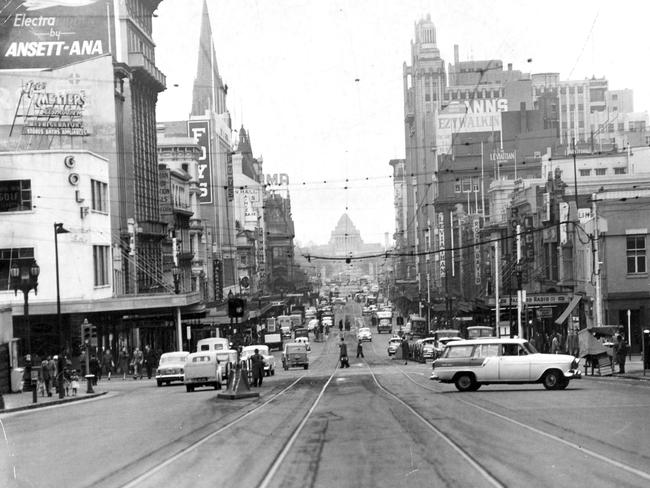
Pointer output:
138, 62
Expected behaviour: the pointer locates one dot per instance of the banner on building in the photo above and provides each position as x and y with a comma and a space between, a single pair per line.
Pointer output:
199, 131
441, 244
165, 192
46, 34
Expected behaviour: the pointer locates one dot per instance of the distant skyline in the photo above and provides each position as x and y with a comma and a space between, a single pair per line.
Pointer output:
318, 84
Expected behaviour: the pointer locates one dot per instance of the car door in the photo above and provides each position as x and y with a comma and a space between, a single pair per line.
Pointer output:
486, 361
514, 363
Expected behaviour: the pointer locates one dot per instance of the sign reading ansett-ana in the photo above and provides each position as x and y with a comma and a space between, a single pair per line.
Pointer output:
52, 33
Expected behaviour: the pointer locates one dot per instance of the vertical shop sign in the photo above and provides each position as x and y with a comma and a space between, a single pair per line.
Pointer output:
199, 131
476, 228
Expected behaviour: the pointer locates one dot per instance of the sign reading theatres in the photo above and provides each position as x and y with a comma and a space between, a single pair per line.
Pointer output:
44, 34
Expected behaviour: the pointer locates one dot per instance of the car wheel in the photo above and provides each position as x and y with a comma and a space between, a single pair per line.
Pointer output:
306, 366
159, 383
552, 379
189, 388
273, 372
563, 384
465, 382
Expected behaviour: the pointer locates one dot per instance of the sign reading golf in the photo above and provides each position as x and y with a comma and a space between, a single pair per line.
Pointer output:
53, 33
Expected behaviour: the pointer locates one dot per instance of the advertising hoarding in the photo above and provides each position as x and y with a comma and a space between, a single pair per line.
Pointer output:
65, 108
199, 131
48, 34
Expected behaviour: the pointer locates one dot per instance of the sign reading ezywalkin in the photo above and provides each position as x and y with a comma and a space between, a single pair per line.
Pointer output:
46, 34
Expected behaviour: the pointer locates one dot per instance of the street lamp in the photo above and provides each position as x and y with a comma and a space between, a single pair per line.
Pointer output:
58, 229
24, 277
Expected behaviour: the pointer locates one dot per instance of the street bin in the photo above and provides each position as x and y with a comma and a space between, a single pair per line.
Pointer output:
17, 380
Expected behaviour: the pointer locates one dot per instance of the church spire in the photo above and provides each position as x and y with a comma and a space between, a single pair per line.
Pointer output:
209, 92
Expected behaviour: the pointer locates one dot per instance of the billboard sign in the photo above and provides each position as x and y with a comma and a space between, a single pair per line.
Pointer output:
48, 34
65, 108
165, 192
472, 116
199, 131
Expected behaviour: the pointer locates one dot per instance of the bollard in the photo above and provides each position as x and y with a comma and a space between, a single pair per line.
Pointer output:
89, 382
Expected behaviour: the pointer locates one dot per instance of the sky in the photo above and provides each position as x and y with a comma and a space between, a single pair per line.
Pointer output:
318, 83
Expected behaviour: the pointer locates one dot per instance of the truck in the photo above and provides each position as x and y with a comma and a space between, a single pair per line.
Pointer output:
273, 340
384, 321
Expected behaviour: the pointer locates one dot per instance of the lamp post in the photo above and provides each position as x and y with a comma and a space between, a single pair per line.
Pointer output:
176, 272
58, 229
520, 298
24, 277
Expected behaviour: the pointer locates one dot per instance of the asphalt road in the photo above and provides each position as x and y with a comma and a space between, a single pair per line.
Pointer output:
378, 423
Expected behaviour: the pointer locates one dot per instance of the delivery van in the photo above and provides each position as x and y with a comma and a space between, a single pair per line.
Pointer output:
213, 344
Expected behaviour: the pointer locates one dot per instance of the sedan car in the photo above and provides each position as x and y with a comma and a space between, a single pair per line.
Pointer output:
303, 340
171, 367
472, 363
442, 343
269, 359
393, 344
428, 345
364, 334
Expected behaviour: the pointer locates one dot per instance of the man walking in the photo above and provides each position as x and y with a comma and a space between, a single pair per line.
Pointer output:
620, 351
257, 367
343, 354
360, 349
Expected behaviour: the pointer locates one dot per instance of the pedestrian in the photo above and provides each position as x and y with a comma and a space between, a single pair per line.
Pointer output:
95, 369
124, 362
341, 325
257, 368
60, 380
555, 344
620, 351
47, 375
405, 350
74, 383
107, 363
137, 360
360, 349
343, 354
149, 360
27, 373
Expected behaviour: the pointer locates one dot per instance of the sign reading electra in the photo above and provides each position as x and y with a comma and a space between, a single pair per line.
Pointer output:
46, 34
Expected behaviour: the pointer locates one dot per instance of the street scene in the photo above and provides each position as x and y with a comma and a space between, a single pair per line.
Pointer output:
324, 243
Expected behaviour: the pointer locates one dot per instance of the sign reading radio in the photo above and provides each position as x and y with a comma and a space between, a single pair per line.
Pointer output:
199, 130
44, 35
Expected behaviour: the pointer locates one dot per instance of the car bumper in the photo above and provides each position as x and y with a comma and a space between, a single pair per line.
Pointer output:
170, 377
573, 374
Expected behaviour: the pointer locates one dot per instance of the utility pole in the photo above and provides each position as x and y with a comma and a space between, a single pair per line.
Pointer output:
599, 298
497, 266
520, 331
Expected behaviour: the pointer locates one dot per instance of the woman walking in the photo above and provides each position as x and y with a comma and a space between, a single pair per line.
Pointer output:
124, 362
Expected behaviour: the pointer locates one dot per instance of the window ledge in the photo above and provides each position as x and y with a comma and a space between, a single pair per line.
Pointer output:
637, 276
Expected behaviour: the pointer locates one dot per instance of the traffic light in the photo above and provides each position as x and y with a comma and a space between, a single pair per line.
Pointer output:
235, 307
89, 333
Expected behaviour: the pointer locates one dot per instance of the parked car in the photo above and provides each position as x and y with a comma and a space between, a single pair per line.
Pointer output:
393, 344
364, 334
428, 347
469, 364
171, 367
202, 369
269, 359
295, 354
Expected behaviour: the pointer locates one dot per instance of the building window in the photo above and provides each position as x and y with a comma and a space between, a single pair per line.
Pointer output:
614, 96
585, 172
15, 195
601, 171
457, 187
99, 196
620, 171
636, 254
9, 257
100, 260
621, 126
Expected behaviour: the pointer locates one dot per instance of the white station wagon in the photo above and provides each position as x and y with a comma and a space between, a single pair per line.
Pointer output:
472, 363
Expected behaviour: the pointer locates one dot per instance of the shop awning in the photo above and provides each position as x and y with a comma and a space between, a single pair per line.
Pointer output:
567, 311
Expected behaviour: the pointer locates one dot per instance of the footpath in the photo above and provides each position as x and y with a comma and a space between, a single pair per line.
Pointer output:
15, 402
633, 370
